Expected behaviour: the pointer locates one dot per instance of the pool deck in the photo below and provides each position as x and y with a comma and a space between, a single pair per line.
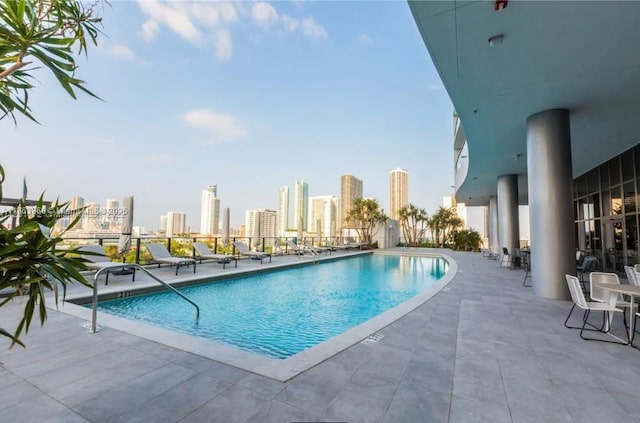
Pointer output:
483, 349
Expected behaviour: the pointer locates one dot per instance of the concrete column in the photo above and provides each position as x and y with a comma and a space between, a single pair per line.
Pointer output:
508, 224
550, 202
494, 240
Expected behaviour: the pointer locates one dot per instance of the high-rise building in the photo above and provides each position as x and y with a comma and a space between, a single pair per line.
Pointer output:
209, 211
301, 204
460, 209
398, 191
176, 223
350, 189
283, 211
266, 222
91, 217
111, 216
163, 223
324, 209
75, 204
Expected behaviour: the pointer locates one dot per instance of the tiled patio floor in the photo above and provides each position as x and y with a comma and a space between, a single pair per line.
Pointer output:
484, 349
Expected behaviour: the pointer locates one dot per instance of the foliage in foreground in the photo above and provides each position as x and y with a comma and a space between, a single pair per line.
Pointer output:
32, 262
44, 32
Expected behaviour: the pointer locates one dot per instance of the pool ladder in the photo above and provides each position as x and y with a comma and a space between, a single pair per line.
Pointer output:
94, 303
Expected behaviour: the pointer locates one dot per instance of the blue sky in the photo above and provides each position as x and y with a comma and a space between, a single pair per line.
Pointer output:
249, 96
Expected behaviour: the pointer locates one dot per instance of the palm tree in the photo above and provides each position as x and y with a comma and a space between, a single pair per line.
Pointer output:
366, 217
414, 222
442, 223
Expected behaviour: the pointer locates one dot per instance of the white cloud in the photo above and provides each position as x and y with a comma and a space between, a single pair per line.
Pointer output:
264, 14
206, 23
175, 16
312, 29
149, 30
158, 158
364, 39
223, 45
222, 127
122, 52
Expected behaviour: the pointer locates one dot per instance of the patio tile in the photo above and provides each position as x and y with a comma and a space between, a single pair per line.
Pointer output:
360, 403
235, 404
177, 402
465, 410
415, 403
133, 394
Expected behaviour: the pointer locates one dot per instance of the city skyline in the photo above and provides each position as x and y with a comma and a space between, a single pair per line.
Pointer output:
276, 104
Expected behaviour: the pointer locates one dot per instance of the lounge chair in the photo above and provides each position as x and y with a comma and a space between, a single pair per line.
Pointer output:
97, 260
317, 248
243, 250
202, 252
295, 248
161, 255
352, 243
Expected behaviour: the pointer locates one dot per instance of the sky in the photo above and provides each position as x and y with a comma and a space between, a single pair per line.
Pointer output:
248, 96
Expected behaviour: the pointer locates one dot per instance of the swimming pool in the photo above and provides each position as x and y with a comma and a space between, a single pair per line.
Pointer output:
279, 314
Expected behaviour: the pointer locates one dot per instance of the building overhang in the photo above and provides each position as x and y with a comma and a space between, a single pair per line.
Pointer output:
581, 56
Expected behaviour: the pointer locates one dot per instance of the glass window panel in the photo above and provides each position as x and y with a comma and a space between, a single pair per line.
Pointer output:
582, 208
606, 203
629, 198
631, 238
616, 201
627, 165
595, 200
593, 181
575, 210
596, 241
604, 176
614, 170
582, 237
587, 208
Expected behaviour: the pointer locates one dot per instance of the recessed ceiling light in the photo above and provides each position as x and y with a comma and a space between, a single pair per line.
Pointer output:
496, 39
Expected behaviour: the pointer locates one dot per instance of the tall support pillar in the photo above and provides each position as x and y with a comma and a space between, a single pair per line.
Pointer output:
550, 202
508, 223
494, 241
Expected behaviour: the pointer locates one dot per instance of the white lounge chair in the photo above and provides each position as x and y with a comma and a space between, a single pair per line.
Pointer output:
295, 248
243, 250
317, 248
161, 255
204, 253
98, 260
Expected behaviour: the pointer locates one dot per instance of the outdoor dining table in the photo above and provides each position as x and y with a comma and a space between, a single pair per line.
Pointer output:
632, 291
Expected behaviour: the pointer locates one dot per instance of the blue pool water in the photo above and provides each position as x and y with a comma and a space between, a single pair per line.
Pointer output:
278, 314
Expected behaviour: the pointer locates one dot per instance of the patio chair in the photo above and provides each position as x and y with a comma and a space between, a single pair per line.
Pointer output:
161, 255
604, 296
202, 252
632, 275
589, 264
507, 259
97, 260
243, 250
579, 300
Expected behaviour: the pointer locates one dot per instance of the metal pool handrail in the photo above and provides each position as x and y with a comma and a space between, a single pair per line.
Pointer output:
94, 302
